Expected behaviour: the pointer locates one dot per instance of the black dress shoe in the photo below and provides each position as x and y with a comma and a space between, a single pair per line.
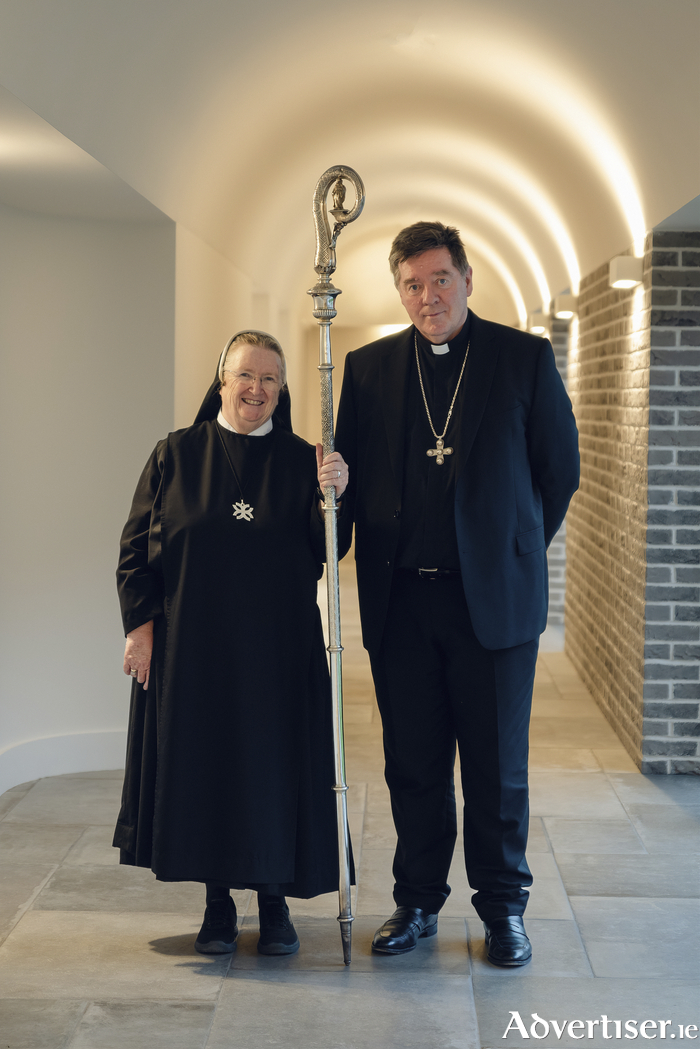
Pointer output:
507, 941
403, 930
219, 930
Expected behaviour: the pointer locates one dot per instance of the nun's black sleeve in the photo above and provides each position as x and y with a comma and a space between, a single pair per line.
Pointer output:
139, 579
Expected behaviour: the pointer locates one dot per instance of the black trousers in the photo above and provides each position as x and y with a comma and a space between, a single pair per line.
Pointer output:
438, 688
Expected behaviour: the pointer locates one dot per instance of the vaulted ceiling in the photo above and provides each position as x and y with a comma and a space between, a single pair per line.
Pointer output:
551, 132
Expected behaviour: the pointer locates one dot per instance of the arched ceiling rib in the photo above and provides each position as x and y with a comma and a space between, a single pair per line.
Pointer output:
532, 127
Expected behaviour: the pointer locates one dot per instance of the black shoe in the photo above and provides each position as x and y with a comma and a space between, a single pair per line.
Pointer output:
403, 930
277, 934
507, 941
219, 930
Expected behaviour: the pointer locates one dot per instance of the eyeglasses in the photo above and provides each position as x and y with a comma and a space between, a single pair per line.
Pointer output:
268, 382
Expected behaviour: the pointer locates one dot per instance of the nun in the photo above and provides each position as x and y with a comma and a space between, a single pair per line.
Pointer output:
229, 766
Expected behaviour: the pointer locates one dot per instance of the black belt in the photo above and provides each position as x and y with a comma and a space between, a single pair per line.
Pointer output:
434, 573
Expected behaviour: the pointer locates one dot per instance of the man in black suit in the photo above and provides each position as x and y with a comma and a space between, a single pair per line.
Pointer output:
463, 457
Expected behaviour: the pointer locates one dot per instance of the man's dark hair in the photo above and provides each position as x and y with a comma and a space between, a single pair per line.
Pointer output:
422, 236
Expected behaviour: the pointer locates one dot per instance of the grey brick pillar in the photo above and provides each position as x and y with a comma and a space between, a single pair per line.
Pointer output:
671, 727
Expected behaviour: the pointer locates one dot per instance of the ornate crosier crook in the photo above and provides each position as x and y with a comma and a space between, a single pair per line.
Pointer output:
324, 296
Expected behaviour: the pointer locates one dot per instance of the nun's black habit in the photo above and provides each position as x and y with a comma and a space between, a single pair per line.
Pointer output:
229, 769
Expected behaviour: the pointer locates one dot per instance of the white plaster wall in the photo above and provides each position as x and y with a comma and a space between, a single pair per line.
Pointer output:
213, 300
86, 389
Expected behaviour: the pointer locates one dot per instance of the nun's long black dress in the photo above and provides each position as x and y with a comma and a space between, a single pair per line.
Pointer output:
229, 768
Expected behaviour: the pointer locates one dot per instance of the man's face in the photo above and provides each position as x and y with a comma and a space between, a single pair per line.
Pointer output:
434, 294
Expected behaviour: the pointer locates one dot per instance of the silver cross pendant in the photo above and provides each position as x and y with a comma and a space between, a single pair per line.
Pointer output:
440, 452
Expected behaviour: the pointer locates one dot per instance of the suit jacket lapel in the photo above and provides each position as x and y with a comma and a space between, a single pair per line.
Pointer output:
394, 372
479, 373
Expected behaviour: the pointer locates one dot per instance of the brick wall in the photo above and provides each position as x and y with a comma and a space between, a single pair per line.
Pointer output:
556, 555
634, 378
606, 523
672, 653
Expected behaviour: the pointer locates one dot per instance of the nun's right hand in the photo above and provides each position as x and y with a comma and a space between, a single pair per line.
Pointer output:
138, 652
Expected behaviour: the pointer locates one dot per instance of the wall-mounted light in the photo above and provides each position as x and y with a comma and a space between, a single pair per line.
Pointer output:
625, 271
538, 323
565, 306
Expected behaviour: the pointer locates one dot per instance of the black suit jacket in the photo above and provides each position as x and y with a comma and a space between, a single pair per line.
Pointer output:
519, 468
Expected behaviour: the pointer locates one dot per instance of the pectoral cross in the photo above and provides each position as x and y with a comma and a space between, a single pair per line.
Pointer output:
440, 452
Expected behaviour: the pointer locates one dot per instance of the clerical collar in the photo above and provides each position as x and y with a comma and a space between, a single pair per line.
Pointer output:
459, 342
260, 432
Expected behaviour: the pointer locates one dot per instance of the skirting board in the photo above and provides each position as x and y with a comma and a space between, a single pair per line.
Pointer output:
57, 755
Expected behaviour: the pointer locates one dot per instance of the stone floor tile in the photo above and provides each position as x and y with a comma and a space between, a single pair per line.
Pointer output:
64, 799
118, 889
577, 998
144, 1025
559, 665
574, 794
378, 799
364, 760
94, 847
96, 955
27, 1023
615, 759
636, 789
558, 707
458, 904
356, 823
36, 843
589, 835
376, 882
575, 759
674, 875
662, 828
357, 797
371, 732
545, 690
556, 951
639, 937
20, 884
356, 712
588, 732
542, 671
379, 831
547, 894
345, 1010
321, 949
537, 840
570, 689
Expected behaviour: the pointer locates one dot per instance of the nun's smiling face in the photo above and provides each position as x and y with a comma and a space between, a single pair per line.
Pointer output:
250, 388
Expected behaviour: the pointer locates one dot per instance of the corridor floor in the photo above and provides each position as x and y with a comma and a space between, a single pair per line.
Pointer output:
98, 956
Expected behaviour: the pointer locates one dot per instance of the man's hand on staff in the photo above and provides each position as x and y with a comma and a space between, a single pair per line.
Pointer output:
333, 470
137, 654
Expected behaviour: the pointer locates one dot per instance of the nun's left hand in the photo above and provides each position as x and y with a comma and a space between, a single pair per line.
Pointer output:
333, 470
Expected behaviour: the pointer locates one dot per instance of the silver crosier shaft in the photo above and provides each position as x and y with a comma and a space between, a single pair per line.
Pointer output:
324, 295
